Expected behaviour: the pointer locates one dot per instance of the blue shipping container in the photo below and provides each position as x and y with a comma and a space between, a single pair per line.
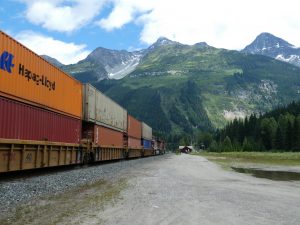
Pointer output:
146, 144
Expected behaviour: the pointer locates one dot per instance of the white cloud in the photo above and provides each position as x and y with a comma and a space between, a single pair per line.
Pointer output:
124, 11
62, 15
228, 24
66, 53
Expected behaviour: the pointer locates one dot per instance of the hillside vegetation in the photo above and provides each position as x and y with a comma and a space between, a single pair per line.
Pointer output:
185, 89
277, 130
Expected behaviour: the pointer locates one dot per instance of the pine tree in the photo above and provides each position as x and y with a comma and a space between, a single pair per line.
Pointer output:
245, 146
227, 145
289, 136
296, 141
214, 147
279, 139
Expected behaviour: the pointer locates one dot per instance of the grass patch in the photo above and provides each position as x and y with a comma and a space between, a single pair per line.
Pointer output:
68, 207
272, 158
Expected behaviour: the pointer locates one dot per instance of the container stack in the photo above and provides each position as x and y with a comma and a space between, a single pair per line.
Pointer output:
147, 139
105, 122
134, 132
38, 101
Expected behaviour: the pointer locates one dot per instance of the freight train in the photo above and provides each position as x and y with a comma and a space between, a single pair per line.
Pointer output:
48, 118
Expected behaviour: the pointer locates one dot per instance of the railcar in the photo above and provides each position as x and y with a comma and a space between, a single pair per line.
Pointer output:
48, 118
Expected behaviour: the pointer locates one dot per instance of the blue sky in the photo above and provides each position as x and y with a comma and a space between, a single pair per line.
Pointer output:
69, 30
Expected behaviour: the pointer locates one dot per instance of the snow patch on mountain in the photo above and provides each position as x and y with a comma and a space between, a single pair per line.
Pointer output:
123, 69
290, 58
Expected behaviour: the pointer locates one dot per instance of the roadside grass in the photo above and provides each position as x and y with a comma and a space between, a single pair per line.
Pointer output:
68, 207
228, 159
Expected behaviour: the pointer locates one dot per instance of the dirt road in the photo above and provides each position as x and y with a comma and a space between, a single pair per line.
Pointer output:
191, 190
168, 190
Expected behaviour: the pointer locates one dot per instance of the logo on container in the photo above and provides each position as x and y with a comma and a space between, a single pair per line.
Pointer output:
6, 61
6, 64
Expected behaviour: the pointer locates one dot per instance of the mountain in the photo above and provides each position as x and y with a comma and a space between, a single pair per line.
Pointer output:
178, 88
181, 88
162, 41
53, 61
272, 46
104, 64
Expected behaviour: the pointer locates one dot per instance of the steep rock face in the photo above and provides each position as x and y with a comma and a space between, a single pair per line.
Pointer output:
53, 61
277, 48
105, 64
117, 63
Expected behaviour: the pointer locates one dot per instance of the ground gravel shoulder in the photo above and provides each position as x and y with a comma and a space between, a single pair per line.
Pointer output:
168, 190
18, 191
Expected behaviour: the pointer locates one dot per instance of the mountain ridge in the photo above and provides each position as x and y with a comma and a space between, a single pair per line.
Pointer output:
269, 45
178, 88
105, 63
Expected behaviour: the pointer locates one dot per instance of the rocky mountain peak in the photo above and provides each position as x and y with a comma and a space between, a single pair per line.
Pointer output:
53, 61
202, 45
161, 42
266, 42
269, 45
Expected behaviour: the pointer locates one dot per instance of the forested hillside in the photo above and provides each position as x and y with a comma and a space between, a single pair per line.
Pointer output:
275, 130
180, 89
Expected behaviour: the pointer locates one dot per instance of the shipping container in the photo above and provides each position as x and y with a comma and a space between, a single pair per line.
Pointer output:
100, 109
27, 122
146, 131
27, 77
134, 143
147, 144
134, 127
22, 155
102, 136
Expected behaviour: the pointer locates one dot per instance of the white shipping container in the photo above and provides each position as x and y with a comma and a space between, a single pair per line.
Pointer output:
146, 131
101, 110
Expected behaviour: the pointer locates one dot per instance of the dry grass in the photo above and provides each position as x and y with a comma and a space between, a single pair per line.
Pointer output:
269, 158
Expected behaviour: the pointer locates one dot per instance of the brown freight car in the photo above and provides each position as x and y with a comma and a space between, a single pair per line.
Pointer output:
134, 132
107, 144
23, 155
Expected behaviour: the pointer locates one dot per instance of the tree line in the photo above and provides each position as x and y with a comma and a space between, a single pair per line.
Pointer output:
278, 130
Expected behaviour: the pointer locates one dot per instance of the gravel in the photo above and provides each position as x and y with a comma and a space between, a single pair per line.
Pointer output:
171, 189
22, 190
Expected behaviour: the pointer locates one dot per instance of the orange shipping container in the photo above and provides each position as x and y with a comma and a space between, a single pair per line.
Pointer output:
27, 77
134, 127
103, 136
134, 143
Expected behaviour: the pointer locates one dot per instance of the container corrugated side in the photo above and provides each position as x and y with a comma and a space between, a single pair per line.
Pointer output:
27, 122
134, 127
146, 131
27, 77
147, 144
102, 135
134, 143
101, 110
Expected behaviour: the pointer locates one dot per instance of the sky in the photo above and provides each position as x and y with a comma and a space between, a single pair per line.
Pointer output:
69, 30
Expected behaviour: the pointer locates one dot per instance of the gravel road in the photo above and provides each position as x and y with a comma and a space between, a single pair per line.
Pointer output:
190, 190
170, 189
